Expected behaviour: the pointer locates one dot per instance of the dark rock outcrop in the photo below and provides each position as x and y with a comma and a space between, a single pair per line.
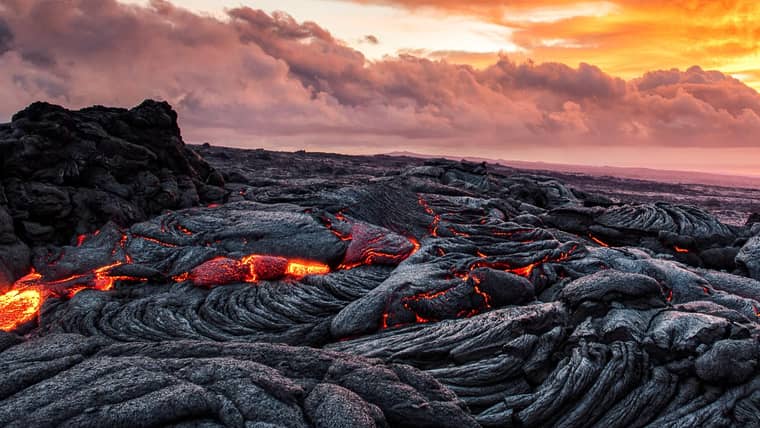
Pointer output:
66, 173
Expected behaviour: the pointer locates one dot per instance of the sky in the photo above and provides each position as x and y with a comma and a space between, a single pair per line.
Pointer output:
646, 83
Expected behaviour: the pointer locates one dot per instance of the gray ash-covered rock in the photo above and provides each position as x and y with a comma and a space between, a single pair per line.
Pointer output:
316, 289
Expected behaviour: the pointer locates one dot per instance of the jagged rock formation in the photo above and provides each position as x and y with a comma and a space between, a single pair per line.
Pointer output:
65, 173
329, 290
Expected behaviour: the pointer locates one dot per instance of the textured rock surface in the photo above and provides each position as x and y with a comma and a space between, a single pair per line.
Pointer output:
65, 173
328, 290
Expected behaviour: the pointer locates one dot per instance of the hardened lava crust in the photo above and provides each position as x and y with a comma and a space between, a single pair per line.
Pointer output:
144, 282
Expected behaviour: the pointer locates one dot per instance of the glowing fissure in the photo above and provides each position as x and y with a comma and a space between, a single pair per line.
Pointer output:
598, 241
18, 307
433, 228
22, 303
361, 238
484, 303
251, 268
485, 298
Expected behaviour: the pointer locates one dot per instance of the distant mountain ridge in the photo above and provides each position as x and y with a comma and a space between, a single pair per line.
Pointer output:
649, 174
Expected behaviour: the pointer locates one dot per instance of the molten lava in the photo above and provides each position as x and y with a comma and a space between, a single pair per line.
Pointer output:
598, 241
251, 268
456, 232
367, 246
680, 250
433, 228
300, 269
18, 307
98, 279
482, 300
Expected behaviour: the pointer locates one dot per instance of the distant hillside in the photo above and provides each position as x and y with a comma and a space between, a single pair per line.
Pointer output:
664, 176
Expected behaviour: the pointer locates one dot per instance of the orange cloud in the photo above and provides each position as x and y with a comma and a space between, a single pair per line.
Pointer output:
625, 37
256, 79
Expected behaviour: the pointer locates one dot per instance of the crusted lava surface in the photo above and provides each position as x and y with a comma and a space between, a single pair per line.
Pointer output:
144, 283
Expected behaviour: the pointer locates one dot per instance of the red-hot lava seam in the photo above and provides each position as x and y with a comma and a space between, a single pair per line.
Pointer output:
484, 304
368, 255
525, 271
22, 303
184, 230
456, 232
433, 228
342, 236
251, 268
598, 241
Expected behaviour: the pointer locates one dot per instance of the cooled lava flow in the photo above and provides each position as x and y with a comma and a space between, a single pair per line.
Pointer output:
508, 269
524, 271
368, 245
433, 228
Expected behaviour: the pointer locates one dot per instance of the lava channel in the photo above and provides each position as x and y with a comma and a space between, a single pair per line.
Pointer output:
23, 302
251, 268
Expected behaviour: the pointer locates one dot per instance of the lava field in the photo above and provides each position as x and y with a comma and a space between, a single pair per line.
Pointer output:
147, 283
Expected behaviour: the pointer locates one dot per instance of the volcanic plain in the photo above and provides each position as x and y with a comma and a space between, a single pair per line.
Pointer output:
146, 282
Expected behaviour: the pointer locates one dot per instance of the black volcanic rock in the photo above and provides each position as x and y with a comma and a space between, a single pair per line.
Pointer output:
753, 218
65, 173
212, 384
330, 290
748, 258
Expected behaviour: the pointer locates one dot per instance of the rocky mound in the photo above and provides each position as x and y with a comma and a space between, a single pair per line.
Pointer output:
66, 173
330, 290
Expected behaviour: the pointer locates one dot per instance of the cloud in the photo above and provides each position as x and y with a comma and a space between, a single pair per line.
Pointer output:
267, 80
625, 37
369, 38
6, 37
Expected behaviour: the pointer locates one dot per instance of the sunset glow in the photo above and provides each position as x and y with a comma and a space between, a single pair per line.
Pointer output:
657, 84
624, 37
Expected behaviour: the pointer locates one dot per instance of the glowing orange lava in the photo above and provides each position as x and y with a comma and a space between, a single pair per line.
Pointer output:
302, 268
524, 271
458, 232
485, 300
251, 268
680, 250
184, 230
433, 228
18, 307
22, 303
409, 303
598, 241
98, 279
